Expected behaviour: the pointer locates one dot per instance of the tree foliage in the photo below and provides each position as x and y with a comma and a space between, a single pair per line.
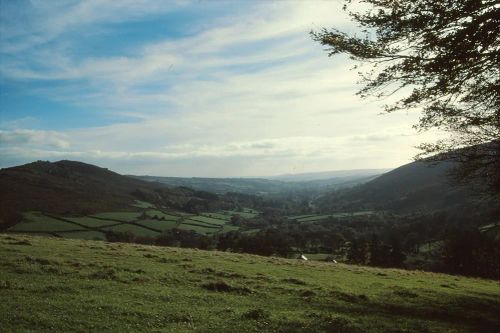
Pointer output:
440, 57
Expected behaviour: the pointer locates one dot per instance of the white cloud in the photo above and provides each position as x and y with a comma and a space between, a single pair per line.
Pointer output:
23, 137
248, 94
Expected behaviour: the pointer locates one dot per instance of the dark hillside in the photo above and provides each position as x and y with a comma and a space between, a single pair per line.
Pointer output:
413, 187
68, 187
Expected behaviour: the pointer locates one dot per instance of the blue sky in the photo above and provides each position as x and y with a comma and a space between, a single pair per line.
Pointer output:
187, 88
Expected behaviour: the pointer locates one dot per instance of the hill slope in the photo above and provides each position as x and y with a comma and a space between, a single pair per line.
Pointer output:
416, 186
52, 285
68, 187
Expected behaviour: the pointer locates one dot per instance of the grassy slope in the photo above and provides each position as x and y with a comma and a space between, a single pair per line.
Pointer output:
49, 284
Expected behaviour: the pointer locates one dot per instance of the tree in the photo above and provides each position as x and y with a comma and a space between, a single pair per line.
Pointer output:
440, 57
396, 257
358, 251
376, 256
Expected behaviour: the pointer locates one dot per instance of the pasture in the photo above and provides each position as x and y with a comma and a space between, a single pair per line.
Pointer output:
67, 285
321, 217
146, 220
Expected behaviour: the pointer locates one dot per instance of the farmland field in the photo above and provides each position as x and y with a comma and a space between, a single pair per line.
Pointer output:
135, 229
147, 221
248, 214
142, 204
320, 217
198, 228
208, 220
95, 286
120, 216
90, 235
162, 215
160, 225
220, 216
35, 221
91, 222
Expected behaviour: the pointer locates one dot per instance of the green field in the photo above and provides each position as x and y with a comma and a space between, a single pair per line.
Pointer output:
226, 217
208, 220
37, 222
162, 215
228, 228
143, 204
65, 285
313, 218
90, 235
139, 223
119, 216
160, 225
245, 213
91, 222
320, 217
135, 229
198, 228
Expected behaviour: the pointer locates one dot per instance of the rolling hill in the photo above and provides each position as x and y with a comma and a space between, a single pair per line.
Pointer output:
62, 285
76, 188
414, 187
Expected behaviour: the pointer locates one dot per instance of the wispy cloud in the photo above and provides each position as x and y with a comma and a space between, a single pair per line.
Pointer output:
47, 20
31, 138
247, 93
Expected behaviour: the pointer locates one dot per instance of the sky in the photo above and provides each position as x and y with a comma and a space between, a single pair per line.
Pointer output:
188, 88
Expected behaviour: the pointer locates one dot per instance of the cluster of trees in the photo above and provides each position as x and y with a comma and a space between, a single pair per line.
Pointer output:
173, 237
382, 240
376, 253
470, 252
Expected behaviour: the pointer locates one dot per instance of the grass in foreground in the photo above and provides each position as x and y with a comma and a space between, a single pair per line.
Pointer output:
50, 284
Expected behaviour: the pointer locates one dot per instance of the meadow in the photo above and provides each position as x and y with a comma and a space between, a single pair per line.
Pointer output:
50, 284
321, 217
145, 220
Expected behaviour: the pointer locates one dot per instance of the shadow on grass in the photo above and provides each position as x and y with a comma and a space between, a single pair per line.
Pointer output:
481, 315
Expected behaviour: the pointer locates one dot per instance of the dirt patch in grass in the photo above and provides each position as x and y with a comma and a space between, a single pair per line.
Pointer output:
168, 261
222, 274
347, 297
108, 274
406, 293
222, 286
256, 314
21, 242
307, 293
42, 261
295, 281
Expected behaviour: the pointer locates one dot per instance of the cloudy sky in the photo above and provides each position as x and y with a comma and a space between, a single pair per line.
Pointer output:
187, 88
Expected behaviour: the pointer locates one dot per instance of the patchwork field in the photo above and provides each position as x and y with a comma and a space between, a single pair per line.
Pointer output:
147, 221
320, 217
50, 284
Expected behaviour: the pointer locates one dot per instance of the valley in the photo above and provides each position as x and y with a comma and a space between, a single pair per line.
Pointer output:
383, 221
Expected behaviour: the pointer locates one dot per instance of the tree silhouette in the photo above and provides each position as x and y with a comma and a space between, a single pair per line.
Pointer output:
440, 57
